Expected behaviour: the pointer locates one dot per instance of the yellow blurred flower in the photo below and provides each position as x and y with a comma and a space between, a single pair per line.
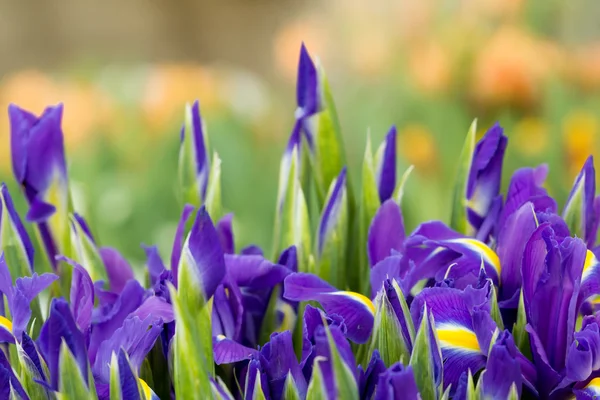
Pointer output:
531, 136
580, 131
418, 148
170, 86
511, 67
429, 65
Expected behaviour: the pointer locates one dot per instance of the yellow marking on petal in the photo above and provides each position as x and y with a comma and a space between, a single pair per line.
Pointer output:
458, 337
146, 389
289, 317
589, 264
221, 337
5, 323
481, 248
227, 292
594, 385
364, 300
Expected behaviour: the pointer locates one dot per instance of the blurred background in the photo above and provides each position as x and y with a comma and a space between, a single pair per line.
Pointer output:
125, 70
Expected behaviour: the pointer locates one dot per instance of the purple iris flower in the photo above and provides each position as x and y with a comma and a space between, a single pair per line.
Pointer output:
356, 310
397, 382
483, 185
369, 378
18, 298
38, 161
552, 271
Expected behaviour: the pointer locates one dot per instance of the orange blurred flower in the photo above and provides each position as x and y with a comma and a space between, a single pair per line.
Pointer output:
170, 86
511, 68
585, 67
429, 65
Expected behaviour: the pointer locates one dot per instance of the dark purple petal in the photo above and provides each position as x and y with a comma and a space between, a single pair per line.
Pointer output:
485, 174
254, 370
228, 311
356, 310
225, 230
8, 378
289, 258
251, 250
307, 90
386, 232
206, 253
29, 348
127, 379
107, 319
334, 205
547, 377
179, 239
281, 360
118, 269
386, 172
40, 143
200, 149
18, 224
551, 279
397, 382
155, 265
60, 326
136, 337
254, 271
511, 245
502, 369
369, 379
583, 356
82, 296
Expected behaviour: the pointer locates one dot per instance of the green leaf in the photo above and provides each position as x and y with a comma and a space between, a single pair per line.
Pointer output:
316, 388
574, 210
292, 223
217, 394
399, 190
290, 389
115, 380
446, 394
387, 334
269, 323
331, 263
369, 203
187, 170
28, 376
213, 190
86, 253
458, 219
72, 384
15, 254
328, 158
519, 333
495, 311
472, 392
258, 393
192, 345
514, 393
345, 383
421, 357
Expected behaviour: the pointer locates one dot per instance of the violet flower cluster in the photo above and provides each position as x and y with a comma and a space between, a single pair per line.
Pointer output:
501, 303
